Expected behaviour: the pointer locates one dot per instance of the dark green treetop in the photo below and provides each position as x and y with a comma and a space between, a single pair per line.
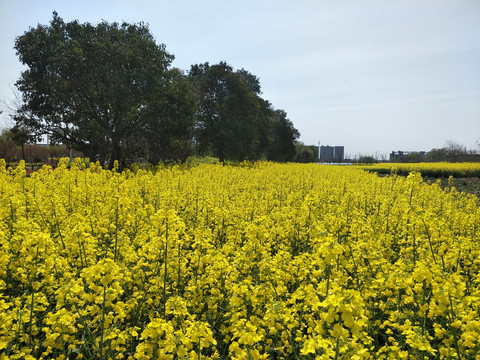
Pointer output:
95, 87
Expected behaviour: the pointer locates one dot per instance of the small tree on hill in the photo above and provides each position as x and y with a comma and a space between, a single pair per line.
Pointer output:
20, 136
8, 148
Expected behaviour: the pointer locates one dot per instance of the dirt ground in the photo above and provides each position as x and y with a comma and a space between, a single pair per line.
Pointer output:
469, 185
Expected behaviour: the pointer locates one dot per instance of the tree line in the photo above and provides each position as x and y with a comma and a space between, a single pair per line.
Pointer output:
110, 91
451, 151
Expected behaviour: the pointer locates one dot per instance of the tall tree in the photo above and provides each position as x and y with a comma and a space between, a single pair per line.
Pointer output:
169, 136
232, 118
93, 87
284, 137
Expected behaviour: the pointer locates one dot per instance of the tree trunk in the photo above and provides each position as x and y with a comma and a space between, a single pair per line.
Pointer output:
117, 154
114, 154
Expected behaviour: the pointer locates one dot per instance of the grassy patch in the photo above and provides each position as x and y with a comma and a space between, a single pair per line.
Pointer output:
469, 185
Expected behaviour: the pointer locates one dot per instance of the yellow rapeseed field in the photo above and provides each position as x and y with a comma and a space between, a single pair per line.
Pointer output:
437, 169
259, 261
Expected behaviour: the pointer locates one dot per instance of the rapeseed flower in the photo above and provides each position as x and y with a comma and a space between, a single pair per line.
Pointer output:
250, 262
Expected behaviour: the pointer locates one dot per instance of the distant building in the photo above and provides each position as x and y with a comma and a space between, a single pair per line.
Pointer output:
339, 153
326, 153
331, 153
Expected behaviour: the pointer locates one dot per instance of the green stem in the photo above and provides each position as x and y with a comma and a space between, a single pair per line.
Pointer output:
32, 301
455, 339
103, 322
429, 241
165, 270
116, 233
57, 225
12, 218
31, 319
178, 270
328, 280
414, 249
337, 349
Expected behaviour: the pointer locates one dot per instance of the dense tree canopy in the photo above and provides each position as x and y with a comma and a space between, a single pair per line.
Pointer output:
109, 91
229, 118
97, 87
284, 136
233, 120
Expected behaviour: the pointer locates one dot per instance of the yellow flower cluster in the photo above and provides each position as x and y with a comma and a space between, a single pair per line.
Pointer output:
435, 169
258, 261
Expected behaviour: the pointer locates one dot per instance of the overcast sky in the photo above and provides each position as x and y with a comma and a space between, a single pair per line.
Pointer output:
374, 76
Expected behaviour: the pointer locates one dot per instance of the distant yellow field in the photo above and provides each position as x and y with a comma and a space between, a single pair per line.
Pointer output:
439, 169
258, 261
